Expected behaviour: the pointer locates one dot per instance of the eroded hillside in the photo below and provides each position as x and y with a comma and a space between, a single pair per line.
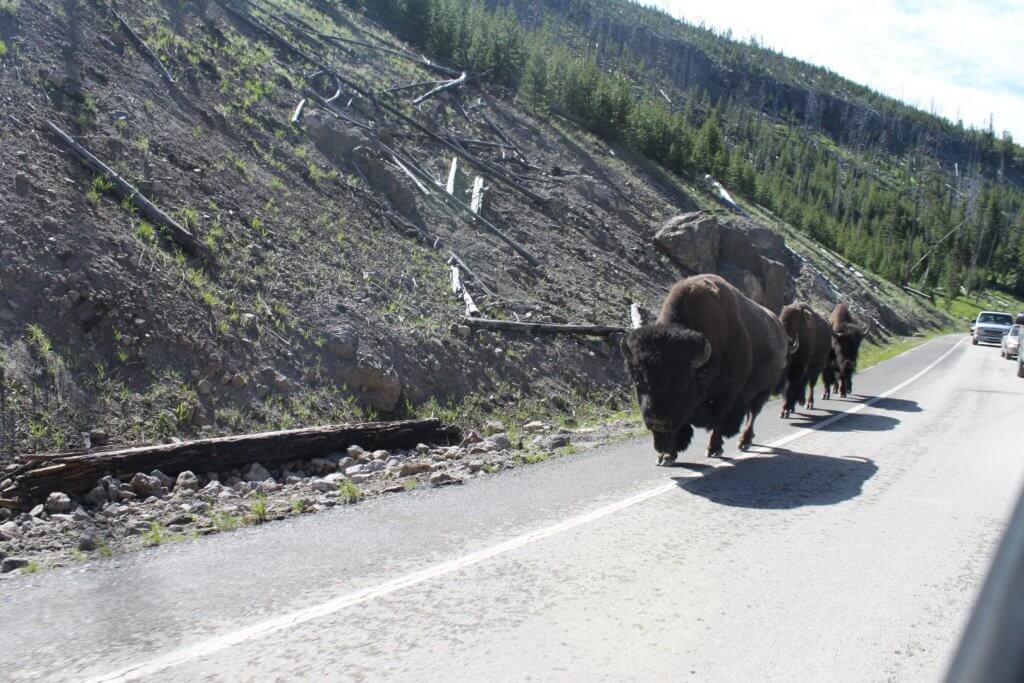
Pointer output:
327, 295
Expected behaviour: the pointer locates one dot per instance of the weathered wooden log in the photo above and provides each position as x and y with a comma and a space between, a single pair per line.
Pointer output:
144, 49
77, 472
447, 85
548, 328
125, 190
409, 86
477, 203
453, 173
298, 110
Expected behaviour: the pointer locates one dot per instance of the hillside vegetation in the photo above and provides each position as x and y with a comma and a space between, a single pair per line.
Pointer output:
908, 195
324, 294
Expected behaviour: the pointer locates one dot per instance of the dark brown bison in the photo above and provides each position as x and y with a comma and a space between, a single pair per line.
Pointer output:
847, 334
712, 357
810, 339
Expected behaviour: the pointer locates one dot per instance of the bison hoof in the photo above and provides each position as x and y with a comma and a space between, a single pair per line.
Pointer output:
715, 452
666, 459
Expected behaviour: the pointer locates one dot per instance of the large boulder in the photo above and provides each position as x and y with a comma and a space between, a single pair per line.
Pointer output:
776, 279
744, 280
691, 240
736, 247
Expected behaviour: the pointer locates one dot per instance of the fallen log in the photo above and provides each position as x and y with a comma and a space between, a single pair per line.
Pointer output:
447, 85
125, 190
76, 473
548, 328
144, 49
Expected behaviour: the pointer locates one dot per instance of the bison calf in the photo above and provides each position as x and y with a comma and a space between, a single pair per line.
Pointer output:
712, 357
810, 338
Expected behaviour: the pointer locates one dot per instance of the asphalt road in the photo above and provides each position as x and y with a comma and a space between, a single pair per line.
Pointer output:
847, 552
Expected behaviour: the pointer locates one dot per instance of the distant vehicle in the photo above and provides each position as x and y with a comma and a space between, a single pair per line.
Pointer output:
1011, 343
990, 326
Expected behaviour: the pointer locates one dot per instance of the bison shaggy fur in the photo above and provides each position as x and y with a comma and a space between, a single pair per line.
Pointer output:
712, 357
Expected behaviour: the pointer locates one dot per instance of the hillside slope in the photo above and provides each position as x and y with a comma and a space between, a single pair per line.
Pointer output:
327, 294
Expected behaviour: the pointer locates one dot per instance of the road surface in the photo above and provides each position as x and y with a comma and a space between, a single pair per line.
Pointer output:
849, 552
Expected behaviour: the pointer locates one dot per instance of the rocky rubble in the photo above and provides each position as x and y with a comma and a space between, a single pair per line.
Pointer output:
147, 509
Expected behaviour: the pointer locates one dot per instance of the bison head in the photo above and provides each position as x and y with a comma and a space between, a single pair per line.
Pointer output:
665, 362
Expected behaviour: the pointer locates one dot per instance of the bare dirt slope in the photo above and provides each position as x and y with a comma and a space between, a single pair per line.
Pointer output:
327, 296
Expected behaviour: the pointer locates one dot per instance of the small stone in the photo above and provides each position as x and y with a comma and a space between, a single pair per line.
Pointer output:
534, 427
381, 455
494, 427
556, 441
175, 528
50, 223
322, 485
80, 515
205, 387
58, 503
97, 437
165, 481
323, 465
498, 442
476, 465
11, 563
187, 480
146, 485
345, 463
38, 510
471, 438
238, 381
355, 452
461, 331
87, 542
441, 478
256, 472
411, 467
354, 469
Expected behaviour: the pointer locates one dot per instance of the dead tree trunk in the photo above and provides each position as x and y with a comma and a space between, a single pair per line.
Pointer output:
548, 328
77, 472
125, 190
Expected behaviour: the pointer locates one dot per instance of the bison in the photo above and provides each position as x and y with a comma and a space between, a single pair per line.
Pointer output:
847, 334
810, 337
712, 357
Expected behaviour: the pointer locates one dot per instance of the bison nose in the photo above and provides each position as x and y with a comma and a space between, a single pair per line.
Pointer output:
656, 423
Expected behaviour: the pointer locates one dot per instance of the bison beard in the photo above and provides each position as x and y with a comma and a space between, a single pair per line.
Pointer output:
713, 357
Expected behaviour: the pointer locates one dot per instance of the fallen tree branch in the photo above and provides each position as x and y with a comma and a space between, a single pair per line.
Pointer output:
454, 258
409, 86
144, 48
447, 85
125, 190
493, 171
77, 472
549, 328
459, 209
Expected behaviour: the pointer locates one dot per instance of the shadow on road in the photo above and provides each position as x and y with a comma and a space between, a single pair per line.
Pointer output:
783, 481
857, 422
899, 404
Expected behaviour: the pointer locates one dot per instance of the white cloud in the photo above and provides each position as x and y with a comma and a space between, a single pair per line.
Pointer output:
961, 56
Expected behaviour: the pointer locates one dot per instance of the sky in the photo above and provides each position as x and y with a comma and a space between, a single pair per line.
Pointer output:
959, 58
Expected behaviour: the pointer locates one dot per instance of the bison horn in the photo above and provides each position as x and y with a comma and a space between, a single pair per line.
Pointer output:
794, 345
703, 357
863, 328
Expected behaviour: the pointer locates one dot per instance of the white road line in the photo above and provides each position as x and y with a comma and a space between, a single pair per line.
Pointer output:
267, 626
